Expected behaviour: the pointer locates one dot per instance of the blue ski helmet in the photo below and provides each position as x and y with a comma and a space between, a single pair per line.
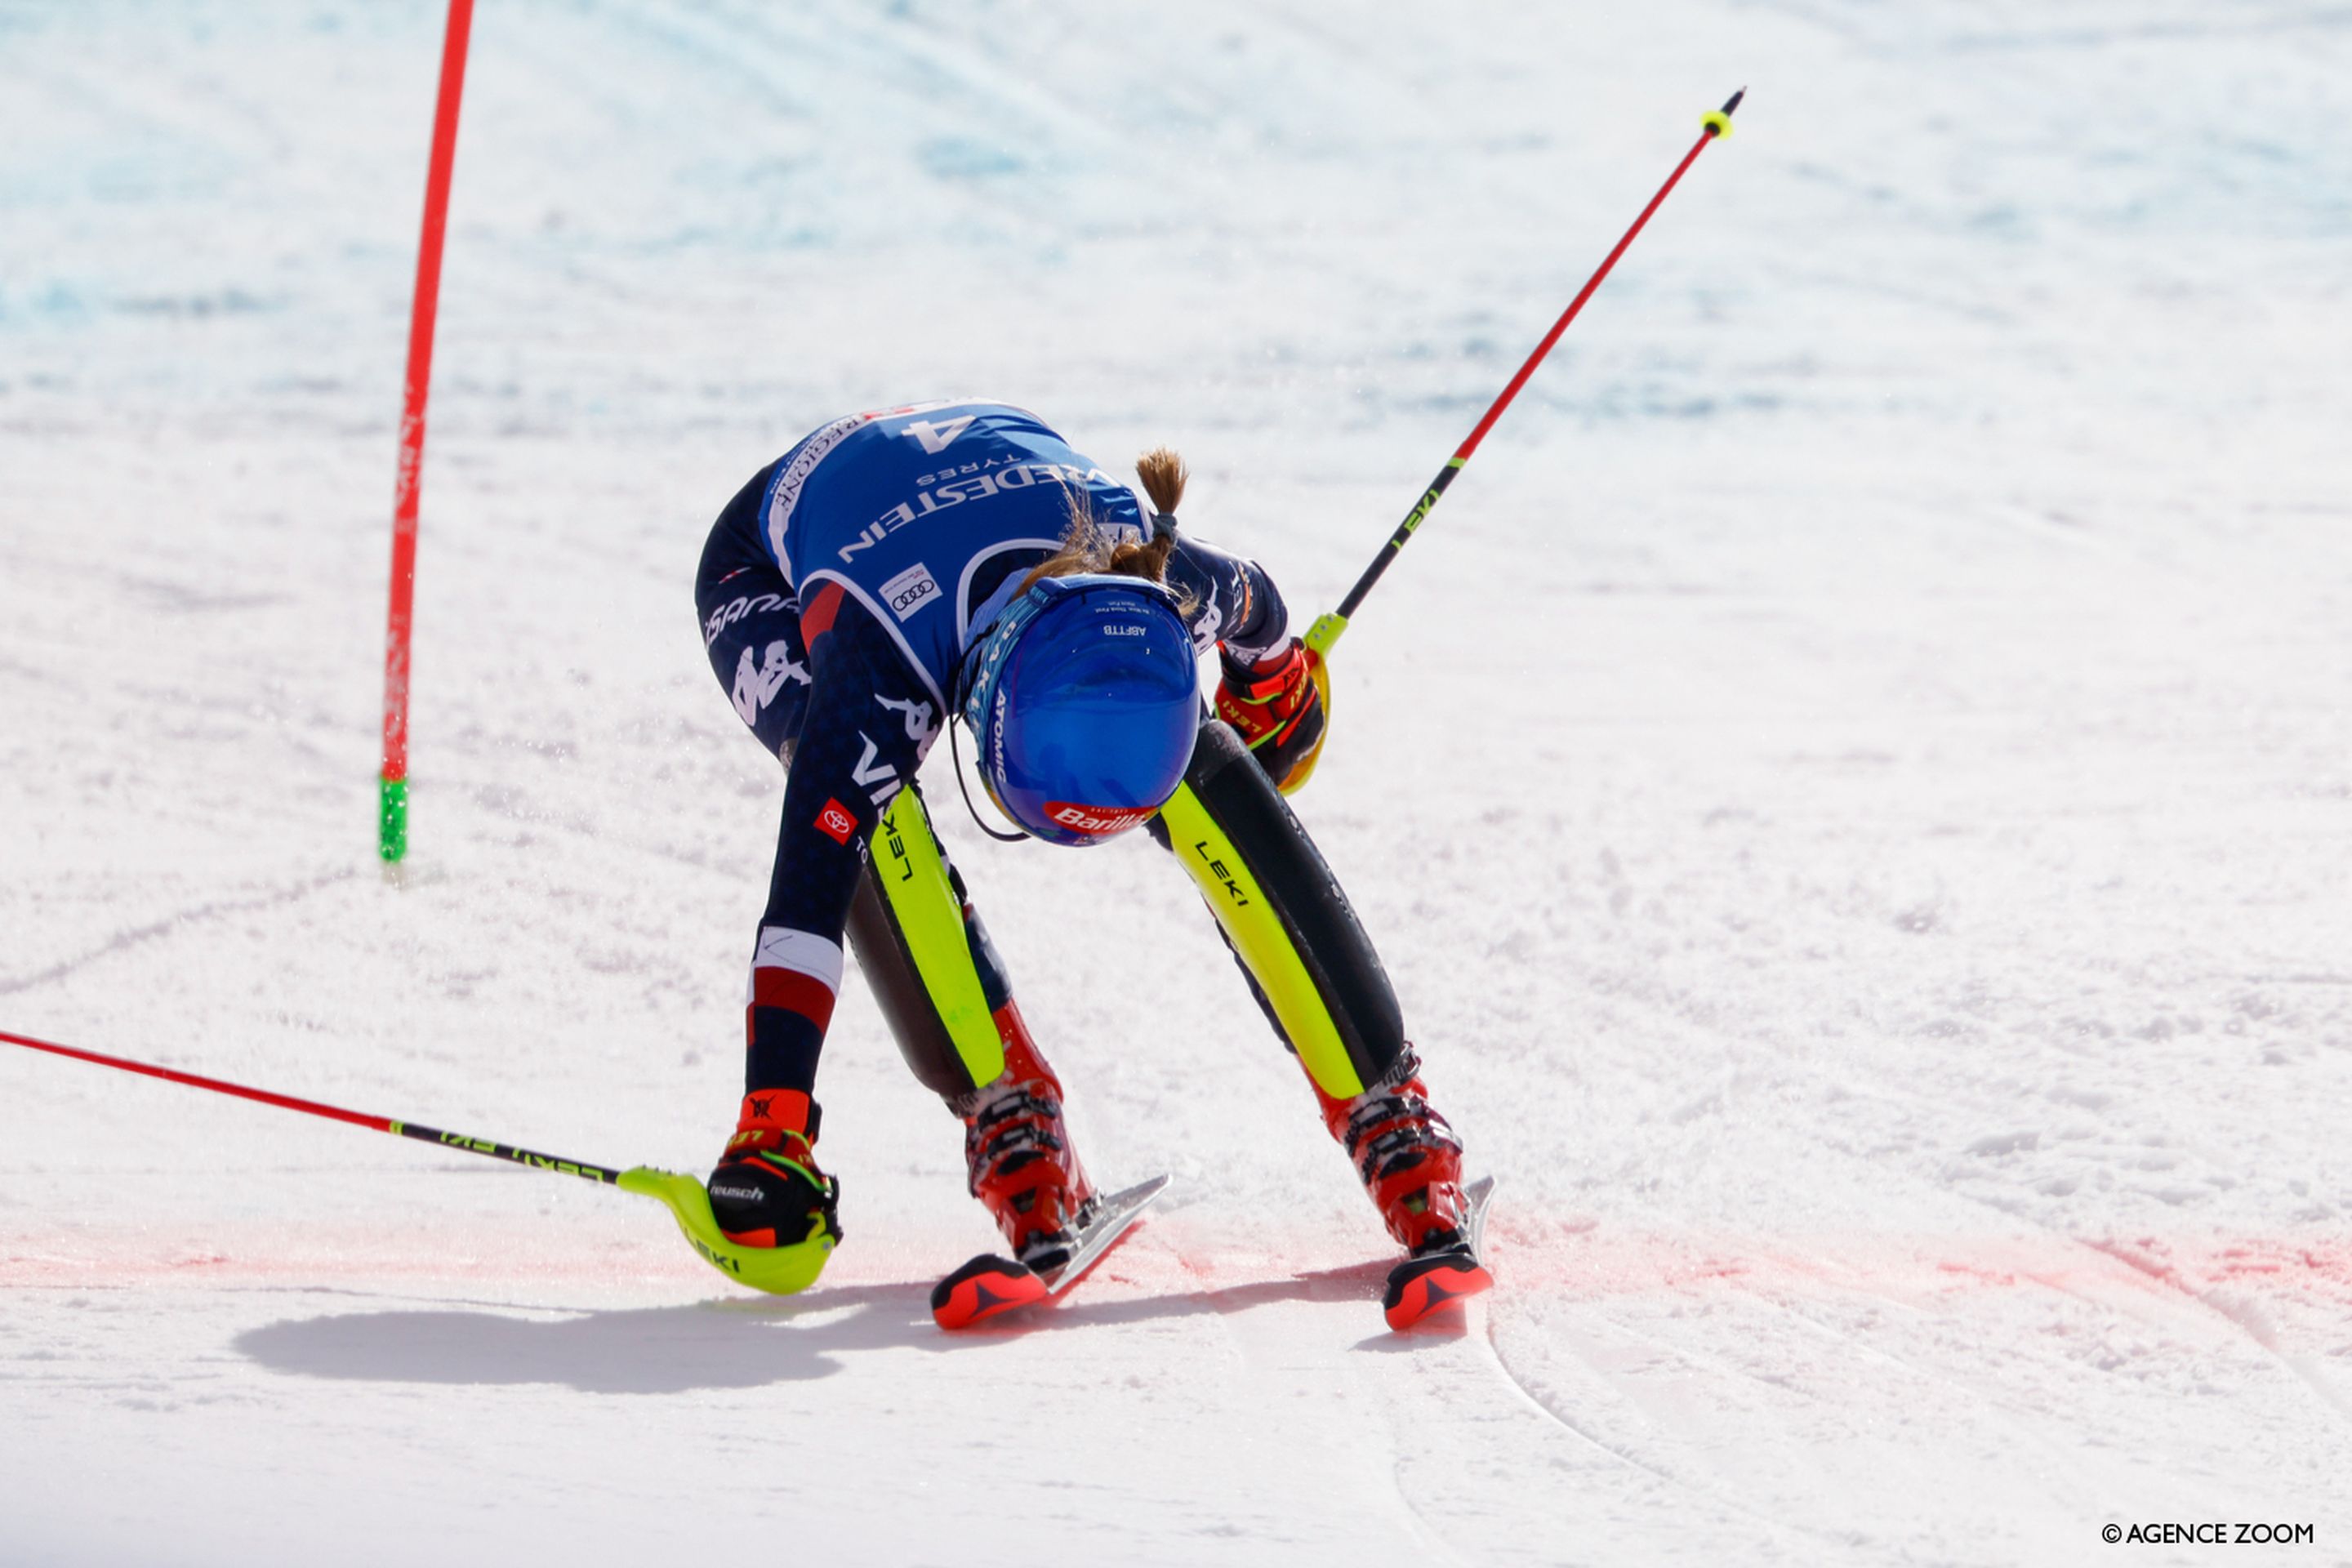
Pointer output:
1084, 700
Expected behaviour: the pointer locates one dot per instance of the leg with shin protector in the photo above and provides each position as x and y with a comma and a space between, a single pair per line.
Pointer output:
1316, 974
922, 948
1281, 912
942, 990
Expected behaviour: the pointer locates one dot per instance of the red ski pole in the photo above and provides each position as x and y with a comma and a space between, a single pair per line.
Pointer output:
782, 1270
331, 1113
391, 808
1327, 630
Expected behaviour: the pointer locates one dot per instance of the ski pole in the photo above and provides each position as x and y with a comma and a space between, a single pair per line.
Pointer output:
781, 1271
1327, 630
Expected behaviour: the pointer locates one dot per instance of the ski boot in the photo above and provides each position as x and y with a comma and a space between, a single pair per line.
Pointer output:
767, 1190
1018, 1152
1410, 1163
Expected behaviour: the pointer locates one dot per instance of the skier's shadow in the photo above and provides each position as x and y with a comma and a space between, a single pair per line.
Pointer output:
1357, 1283
732, 1343
726, 1343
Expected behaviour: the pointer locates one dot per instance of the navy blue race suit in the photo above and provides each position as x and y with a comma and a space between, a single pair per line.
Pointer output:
836, 595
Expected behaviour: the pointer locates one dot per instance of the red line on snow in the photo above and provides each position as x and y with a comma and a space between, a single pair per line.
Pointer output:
1535, 1260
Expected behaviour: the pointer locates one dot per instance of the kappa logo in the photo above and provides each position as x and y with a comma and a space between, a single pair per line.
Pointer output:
1210, 619
835, 821
920, 726
937, 436
756, 685
910, 590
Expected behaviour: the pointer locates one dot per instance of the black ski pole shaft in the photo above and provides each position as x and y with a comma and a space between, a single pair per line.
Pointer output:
1327, 630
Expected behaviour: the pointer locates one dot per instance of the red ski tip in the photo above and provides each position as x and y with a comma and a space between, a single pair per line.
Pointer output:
981, 1290
1426, 1285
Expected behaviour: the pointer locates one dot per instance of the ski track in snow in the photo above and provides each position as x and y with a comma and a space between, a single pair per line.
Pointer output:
1851, 786
211, 910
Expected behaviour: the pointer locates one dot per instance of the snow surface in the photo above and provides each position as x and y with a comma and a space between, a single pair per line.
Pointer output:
1854, 785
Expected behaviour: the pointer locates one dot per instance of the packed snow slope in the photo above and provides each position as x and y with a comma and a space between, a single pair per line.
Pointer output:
1853, 786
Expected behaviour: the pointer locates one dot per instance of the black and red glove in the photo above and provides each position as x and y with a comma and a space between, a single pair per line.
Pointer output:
767, 1190
1279, 705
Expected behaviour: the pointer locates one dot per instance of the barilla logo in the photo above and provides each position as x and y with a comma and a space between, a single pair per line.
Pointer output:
835, 821
1099, 820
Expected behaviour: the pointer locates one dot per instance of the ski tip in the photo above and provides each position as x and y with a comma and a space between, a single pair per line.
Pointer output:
1422, 1286
982, 1289
1139, 1193
1113, 1218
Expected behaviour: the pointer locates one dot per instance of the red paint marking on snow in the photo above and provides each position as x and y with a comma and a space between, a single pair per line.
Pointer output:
1535, 1262
1595, 1264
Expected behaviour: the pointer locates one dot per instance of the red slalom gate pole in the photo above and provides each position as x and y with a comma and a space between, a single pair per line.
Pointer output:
1328, 629
392, 810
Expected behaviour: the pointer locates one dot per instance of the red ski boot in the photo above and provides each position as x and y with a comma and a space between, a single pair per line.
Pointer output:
1410, 1163
1019, 1155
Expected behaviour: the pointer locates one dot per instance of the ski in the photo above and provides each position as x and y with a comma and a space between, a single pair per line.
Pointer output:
992, 1285
1421, 1286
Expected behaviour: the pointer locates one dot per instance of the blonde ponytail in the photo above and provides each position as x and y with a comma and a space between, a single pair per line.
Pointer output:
1163, 474
1086, 547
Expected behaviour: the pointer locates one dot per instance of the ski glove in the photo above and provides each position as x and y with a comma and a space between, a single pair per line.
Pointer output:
767, 1190
1279, 705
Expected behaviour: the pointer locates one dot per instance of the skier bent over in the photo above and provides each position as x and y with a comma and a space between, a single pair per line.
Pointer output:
898, 568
